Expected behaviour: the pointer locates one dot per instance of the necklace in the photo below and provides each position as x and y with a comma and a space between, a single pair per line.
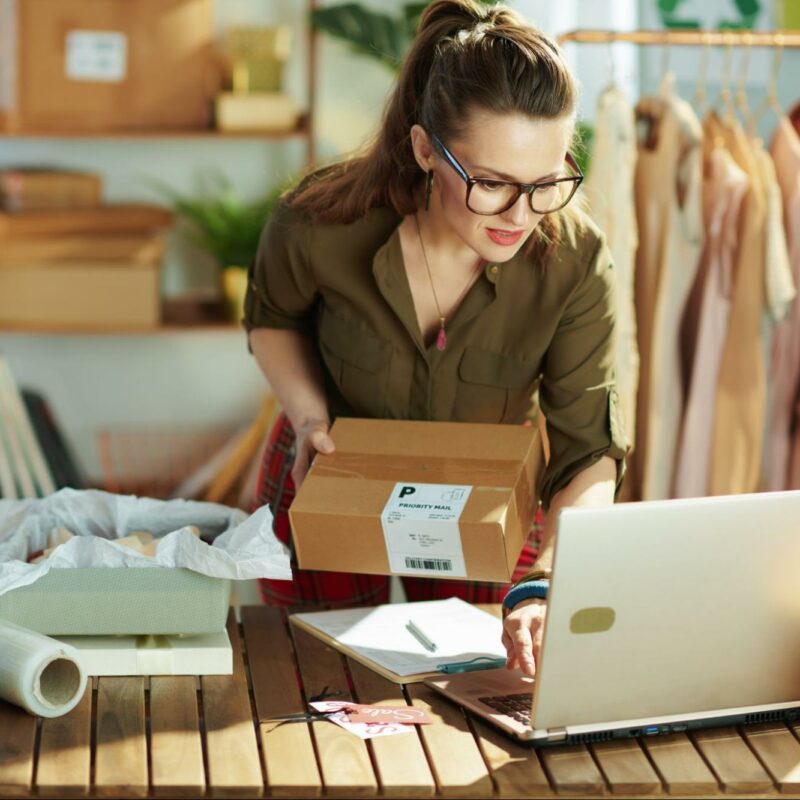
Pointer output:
441, 338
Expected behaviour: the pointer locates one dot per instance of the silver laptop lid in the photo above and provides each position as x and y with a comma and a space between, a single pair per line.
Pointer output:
671, 607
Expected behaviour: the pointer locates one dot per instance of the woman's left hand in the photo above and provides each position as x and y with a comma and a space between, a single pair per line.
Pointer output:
522, 634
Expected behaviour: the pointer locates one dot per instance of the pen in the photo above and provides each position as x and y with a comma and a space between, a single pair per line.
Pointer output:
473, 665
420, 637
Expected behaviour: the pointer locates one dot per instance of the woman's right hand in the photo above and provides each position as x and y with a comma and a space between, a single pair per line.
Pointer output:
310, 438
523, 628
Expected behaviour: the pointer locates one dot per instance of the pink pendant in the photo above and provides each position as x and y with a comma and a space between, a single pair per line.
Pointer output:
441, 339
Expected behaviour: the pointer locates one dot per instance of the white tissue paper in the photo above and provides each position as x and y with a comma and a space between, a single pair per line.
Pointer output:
241, 547
40, 674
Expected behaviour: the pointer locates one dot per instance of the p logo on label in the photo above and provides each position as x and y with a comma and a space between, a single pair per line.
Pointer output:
592, 620
407, 490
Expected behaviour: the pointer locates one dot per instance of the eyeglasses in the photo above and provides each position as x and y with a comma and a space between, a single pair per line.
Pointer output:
488, 196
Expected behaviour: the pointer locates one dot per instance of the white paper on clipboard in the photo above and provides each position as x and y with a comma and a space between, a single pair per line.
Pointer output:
461, 632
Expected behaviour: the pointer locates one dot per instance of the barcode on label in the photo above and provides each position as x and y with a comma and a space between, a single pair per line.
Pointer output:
440, 564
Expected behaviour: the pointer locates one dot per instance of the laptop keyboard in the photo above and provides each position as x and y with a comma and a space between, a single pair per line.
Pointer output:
516, 706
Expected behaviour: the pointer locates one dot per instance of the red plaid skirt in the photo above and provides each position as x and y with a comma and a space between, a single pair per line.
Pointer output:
342, 589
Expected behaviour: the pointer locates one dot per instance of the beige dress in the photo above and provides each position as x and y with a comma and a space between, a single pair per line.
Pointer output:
669, 214
609, 193
706, 320
783, 436
740, 404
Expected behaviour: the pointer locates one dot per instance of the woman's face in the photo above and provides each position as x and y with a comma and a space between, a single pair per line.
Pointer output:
511, 147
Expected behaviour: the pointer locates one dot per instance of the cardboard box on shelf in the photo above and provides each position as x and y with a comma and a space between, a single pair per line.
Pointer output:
272, 112
80, 296
430, 499
83, 248
107, 65
30, 189
110, 218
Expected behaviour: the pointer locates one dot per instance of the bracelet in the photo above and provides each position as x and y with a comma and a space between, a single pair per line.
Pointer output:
525, 591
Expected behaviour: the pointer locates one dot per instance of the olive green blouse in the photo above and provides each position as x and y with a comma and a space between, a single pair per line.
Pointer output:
522, 326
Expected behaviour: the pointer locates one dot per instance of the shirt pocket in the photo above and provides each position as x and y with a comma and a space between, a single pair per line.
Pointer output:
358, 362
493, 387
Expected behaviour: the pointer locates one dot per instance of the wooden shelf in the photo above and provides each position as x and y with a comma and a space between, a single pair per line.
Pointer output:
300, 132
165, 328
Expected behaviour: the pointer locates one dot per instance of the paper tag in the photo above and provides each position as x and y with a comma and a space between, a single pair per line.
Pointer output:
100, 56
402, 715
364, 730
420, 526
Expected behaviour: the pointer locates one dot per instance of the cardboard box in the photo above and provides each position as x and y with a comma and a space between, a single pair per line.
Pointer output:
44, 189
80, 296
430, 499
109, 218
204, 654
272, 112
83, 248
94, 601
107, 65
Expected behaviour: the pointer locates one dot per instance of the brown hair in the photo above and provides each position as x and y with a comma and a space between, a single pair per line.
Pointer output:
464, 56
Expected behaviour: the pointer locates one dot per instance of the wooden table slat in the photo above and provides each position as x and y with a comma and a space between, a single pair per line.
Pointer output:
453, 753
65, 754
232, 754
680, 765
515, 767
734, 764
400, 761
121, 754
176, 750
572, 770
17, 741
779, 751
625, 767
343, 758
290, 763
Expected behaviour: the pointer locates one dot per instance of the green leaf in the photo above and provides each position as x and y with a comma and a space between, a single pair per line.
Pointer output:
367, 32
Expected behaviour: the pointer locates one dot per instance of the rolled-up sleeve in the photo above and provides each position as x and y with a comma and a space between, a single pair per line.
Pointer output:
577, 393
281, 289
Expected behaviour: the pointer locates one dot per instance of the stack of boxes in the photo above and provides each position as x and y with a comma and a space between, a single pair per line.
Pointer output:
69, 261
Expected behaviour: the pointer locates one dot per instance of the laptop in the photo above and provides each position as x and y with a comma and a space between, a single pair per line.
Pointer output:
663, 616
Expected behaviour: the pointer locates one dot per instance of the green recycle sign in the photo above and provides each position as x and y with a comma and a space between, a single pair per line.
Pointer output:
747, 11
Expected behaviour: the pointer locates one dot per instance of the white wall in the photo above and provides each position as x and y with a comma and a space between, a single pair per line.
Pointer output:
188, 378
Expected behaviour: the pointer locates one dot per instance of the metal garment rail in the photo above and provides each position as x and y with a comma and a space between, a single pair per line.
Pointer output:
686, 37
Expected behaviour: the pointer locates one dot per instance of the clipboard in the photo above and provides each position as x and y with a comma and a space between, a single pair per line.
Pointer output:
466, 625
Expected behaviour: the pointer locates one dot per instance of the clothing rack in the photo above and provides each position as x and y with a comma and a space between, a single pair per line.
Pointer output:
694, 38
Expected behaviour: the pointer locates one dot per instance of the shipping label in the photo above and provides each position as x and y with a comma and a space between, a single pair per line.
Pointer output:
420, 526
100, 56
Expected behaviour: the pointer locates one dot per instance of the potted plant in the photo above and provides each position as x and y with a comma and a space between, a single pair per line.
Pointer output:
226, 227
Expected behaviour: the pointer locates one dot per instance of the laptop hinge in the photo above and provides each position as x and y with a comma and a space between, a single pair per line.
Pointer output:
556, 734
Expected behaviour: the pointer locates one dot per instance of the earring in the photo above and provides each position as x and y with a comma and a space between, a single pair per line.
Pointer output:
428, 188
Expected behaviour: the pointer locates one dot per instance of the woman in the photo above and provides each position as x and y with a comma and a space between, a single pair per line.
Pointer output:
441, 275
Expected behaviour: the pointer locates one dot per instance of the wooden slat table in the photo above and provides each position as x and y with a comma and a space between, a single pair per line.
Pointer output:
212, 737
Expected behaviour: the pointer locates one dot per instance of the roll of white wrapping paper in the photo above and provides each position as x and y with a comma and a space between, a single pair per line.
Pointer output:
41, 674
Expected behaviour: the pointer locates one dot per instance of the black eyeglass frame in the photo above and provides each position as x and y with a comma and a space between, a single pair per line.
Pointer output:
522, 188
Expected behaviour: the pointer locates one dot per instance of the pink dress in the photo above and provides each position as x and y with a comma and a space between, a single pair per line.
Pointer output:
782, 467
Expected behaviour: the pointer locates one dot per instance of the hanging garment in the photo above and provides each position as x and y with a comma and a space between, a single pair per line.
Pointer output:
705, 321
609, 193
740, 403
669, 213
779, 283
785, 357
794, 466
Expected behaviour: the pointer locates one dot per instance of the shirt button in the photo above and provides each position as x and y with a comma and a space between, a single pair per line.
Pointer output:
494, 269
